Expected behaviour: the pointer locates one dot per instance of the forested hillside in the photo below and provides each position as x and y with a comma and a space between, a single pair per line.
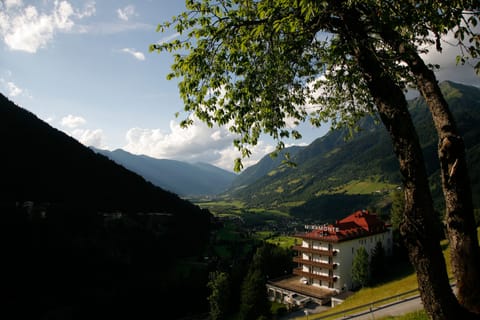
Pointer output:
83, 237
336, 174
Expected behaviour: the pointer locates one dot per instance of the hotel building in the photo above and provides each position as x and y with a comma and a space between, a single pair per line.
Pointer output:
326, 255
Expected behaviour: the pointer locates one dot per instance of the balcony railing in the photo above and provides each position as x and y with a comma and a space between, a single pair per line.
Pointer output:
300, 272
327, 253
330, 266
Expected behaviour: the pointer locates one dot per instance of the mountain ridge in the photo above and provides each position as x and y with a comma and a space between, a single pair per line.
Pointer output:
182, 178
332, 170
45, 164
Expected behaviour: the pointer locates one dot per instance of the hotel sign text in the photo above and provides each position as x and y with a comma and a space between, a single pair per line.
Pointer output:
322, 228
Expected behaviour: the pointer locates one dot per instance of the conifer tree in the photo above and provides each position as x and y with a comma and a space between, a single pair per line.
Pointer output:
360, 268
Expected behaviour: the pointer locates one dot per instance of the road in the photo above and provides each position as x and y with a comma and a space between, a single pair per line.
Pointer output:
396, 308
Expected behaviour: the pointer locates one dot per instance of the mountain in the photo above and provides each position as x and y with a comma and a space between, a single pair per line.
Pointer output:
82, 237
41, 163
337, 174
262, 168
179, 177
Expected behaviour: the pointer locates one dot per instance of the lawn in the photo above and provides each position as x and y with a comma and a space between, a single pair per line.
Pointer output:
284, 241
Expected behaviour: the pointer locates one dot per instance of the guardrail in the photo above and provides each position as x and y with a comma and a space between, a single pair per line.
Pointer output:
366, 306
369, 306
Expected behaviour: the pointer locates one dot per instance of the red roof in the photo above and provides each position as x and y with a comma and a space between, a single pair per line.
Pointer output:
359, 224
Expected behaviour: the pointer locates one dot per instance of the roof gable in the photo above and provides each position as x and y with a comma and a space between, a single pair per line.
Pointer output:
361, 223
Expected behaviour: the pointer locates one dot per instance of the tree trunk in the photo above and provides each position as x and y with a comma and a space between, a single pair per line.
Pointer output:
459, 217
420, 236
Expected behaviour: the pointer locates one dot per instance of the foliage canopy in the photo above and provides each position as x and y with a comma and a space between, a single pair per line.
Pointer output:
264, 66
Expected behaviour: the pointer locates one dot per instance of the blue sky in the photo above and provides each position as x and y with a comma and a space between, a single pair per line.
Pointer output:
84, 67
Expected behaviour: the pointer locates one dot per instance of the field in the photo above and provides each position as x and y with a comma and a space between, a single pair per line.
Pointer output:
221, 207
284, 241
370, 186
251, 217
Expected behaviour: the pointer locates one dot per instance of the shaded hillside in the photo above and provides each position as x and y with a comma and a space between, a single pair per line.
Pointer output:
338, 174
41, 163
84, 237
179, 177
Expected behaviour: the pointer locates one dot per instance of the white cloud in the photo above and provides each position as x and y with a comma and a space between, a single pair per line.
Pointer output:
12, 89
88, 10
88, 137
136, 54
197, 143
95, 138
108, 28
126, 13
228, 155
49, 120
12, 3
72, 121
27, 28
62, 14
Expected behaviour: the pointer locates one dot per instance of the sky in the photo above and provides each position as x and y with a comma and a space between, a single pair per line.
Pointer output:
84, 67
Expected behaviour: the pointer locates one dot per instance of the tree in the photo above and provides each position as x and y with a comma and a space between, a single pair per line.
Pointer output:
360, 268
396, 211
377, 262
396, 217
420, 236
255, 64
219, 298
253, 300
443, 17
429, 23
272, 260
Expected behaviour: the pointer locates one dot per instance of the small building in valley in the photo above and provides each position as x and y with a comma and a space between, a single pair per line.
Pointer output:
325, 256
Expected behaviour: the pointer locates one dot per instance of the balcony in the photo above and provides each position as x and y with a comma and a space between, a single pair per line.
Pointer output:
300, 272
322, 265
325, 253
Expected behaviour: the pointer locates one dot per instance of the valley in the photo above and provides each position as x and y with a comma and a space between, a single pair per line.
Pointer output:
122, 227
